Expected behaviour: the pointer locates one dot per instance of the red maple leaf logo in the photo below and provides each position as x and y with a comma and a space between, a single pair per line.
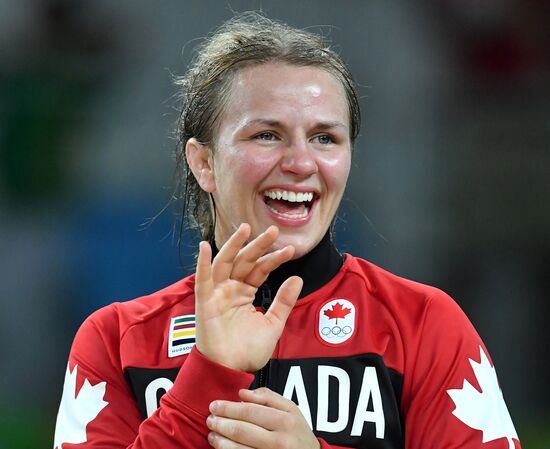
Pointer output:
337, 311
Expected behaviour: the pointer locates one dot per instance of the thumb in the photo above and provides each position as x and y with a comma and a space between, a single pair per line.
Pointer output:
284, 301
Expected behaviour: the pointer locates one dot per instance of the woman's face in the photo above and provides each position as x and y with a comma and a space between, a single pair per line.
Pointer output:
282, 154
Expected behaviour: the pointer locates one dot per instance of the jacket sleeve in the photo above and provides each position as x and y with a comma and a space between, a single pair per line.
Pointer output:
455, 398
324, 445
98, 410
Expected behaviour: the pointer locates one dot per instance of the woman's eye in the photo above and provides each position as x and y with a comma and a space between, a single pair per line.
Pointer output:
324, 139
265, 136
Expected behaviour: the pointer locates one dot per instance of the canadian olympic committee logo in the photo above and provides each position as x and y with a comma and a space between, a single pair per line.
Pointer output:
336, 321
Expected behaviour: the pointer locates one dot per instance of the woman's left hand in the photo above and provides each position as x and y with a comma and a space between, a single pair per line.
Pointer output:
264, 420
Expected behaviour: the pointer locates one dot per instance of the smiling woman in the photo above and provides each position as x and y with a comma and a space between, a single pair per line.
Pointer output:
281, 154
225, 68
278, 340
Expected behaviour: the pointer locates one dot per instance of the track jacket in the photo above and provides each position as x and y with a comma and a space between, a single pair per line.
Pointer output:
372, 360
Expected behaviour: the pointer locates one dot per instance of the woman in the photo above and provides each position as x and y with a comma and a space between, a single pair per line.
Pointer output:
278, 340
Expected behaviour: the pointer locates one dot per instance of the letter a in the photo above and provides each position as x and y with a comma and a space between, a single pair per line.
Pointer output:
295, 383
369, 388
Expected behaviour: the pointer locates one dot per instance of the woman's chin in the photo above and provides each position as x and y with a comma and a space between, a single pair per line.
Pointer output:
301, 246
301, 252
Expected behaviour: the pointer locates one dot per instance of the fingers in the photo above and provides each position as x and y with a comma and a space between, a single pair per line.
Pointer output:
225, 259
241, 293
267, 263
203, 273
266, 397
248, 257
250, 264
284, 301
264, 420
254, 413
218, 441
235, 431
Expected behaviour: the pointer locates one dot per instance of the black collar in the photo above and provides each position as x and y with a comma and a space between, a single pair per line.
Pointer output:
316, 268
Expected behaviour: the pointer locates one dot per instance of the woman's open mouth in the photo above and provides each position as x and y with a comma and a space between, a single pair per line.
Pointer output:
289, 204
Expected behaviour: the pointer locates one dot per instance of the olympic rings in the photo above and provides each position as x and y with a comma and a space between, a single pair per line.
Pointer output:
336, 331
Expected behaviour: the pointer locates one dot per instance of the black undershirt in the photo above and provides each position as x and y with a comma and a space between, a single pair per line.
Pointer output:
315, 268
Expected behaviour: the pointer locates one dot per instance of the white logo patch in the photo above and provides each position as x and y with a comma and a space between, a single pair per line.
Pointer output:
77, 411
181, 336
336, 321
484, 410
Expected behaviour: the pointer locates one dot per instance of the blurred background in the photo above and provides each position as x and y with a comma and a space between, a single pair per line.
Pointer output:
449, 187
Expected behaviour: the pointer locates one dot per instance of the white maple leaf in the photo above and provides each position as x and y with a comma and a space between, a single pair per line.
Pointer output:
76, 412
485, 410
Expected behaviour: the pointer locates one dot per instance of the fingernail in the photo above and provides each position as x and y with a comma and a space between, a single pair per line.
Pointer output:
211, 437
209, 420
214, 406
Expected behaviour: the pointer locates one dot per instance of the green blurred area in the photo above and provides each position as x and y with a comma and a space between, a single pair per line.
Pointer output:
31, 429
26, 429
39, 110
534, 433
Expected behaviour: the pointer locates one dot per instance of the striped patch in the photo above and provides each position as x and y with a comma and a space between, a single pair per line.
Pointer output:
181, 337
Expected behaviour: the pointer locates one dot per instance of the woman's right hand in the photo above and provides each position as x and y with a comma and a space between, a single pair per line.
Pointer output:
229, 329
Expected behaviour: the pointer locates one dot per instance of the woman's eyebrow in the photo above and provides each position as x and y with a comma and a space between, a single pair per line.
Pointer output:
330, 124
263, 121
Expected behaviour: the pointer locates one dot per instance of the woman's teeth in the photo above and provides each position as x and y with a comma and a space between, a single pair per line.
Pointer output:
293, 197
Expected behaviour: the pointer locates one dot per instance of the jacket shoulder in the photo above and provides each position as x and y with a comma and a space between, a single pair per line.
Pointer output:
118, 317
382, 283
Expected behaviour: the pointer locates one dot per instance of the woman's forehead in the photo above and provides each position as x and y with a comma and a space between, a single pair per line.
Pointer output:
277, 91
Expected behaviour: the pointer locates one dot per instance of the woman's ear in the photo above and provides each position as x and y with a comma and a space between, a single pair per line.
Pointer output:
201, 164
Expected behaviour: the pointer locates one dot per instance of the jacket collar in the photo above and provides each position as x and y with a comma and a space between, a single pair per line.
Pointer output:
316, 268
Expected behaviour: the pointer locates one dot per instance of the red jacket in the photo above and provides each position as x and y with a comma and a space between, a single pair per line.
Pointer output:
372, 360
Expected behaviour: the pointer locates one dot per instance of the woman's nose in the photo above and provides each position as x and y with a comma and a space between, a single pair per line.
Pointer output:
299, 159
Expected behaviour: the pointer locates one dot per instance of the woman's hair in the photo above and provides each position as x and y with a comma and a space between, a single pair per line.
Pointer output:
246, 39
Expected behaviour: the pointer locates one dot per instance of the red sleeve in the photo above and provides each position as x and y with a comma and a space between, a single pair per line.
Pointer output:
98, 410
455, 399
324, 445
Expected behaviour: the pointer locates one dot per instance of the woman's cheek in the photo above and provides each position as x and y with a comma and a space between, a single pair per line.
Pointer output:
335, 167
253, 163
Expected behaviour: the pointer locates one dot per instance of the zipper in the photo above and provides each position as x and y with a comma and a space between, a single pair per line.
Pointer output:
263, 375
266, 302
266, 297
